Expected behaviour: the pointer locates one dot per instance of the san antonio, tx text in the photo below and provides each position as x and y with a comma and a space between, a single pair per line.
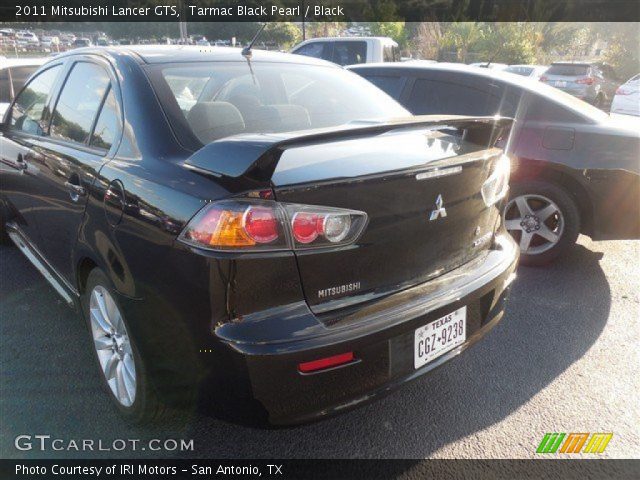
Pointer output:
142, 469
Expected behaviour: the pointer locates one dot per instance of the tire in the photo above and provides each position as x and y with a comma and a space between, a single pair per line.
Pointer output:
600, 102
543, 219
143, 405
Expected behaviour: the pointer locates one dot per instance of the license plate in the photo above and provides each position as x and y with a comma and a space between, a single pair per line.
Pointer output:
561, 83
440, 336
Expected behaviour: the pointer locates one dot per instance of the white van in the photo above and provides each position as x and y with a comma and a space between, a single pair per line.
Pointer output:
350, 50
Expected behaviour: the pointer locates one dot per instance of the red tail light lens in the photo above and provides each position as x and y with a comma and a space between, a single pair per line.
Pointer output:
544, 79
255, 224
261, 224
586, 81
306, 227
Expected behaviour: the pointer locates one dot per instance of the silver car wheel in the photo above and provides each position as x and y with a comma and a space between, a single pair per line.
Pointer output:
112, 344
535, 222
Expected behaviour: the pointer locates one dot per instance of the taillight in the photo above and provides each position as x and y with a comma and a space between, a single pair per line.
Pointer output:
543, 79
497, 185
254, 224
586, 81
623, 91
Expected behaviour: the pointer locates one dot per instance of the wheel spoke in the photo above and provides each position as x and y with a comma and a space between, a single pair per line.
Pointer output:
513, 224
546, 212
121, 386
98, 320
102, 307
525, 241
111, 366
547, 234
523, 206
103, 343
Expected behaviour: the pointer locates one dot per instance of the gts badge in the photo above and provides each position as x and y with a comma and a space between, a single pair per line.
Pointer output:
339, 290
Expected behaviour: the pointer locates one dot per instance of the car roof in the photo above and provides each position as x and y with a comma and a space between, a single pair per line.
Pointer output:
19, 62
517, 81
156, 54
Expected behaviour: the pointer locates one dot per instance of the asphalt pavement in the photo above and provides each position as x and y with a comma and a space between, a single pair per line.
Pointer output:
565, 358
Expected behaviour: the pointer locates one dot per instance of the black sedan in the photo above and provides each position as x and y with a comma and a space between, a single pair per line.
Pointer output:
575, 169
253, 226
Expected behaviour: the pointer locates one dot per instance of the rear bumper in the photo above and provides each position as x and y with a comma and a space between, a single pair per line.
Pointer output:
381, 335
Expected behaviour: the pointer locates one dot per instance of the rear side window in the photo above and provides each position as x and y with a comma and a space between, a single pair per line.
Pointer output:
349, 53
79, 102
28, 110
435, 97
391, 85
568, 70
108, 124
5, 86
390, 54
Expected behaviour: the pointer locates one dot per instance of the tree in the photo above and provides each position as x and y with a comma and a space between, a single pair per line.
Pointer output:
462, 37
285, 34
394, 30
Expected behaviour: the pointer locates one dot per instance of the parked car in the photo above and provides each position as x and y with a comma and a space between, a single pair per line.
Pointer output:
532, 71
594, 83
627, 98
26, 37
14, 73
82, 42
299, 272
575, 169
350, 50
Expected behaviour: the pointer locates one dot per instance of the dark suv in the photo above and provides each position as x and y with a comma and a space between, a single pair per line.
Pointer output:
595, 83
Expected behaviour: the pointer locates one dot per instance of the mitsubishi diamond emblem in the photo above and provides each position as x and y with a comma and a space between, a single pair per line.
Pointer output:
440, 211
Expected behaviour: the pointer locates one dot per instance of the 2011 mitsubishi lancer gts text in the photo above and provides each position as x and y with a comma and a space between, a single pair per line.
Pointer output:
258, 229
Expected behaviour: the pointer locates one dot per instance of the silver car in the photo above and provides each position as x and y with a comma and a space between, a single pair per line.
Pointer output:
595, 83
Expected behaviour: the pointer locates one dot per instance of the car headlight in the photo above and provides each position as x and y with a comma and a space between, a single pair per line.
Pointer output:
497, 185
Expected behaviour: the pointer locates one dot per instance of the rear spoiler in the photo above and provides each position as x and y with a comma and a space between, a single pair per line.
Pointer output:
254, 157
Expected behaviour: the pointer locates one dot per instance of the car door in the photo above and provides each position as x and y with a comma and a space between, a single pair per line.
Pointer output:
20, 167
85, 124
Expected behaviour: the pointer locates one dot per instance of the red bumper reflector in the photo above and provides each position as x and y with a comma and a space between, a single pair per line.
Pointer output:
327, 362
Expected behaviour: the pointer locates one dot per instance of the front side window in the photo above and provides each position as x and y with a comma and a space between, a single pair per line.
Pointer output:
79, 102
28, 111
274, 98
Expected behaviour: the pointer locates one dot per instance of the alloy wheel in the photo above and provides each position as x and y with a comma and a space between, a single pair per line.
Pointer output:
535, 222
113, 346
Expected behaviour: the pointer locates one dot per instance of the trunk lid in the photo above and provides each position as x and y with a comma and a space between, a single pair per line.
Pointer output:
405, 174
421, 190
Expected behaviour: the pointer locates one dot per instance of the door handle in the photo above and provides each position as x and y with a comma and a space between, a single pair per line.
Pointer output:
75, 191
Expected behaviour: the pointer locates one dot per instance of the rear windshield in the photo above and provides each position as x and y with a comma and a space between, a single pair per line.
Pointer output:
209, 101
568, 70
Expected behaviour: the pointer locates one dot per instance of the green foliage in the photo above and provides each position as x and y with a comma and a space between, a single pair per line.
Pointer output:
285, 34
395, 30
